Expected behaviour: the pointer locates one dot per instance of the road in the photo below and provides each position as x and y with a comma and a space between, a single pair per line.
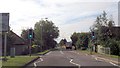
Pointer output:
70, 59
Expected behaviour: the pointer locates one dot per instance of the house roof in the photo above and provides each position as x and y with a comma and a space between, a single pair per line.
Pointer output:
17, 39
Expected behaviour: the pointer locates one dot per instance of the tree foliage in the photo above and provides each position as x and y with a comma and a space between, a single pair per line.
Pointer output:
79, 39
102, 27
105, 30
24, 34
45, 33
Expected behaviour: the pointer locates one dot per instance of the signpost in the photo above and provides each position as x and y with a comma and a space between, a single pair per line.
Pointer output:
4, 27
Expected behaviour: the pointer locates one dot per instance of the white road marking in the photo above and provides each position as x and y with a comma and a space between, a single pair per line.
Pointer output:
61, 52
96, 58
107, 60
114, 64
35, 63
48, 53
71, 61
86, 54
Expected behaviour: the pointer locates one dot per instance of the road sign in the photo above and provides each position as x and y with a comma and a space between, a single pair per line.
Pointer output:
4, 22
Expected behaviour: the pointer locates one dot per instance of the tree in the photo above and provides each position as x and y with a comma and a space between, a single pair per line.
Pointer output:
102, 27
74, 38
24, 34
105, 32
45, 33
80, 39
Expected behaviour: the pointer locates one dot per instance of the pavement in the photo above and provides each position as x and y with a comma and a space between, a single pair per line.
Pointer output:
70, 59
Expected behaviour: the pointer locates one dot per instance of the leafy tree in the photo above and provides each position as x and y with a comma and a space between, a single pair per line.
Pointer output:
45, 33
80, 39
24, 34
102, 27
106, 32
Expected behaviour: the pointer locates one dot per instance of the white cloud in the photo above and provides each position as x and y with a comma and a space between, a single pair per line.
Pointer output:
68, 15
81, 26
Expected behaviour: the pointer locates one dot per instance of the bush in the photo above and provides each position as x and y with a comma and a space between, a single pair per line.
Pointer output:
114, 46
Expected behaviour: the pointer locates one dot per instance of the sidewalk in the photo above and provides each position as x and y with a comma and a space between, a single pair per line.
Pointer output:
102, 56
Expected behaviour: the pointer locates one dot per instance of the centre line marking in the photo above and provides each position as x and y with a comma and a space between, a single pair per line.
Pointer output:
71, 61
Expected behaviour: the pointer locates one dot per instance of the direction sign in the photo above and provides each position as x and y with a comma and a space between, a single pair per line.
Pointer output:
4, 22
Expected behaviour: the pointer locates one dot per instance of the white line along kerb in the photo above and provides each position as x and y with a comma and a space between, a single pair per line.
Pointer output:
114, 64
107, 60
35, 63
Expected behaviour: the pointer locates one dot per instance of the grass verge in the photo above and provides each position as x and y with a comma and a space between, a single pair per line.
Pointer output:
107, 55
17, 62
20, 61
44, 52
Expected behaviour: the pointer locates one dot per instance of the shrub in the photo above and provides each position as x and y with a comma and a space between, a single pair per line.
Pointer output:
114, 46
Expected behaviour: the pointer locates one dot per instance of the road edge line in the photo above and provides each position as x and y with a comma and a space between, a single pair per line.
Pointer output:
107, 60
30, 62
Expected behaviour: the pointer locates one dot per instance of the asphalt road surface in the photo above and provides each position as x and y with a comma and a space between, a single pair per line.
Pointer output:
70, 59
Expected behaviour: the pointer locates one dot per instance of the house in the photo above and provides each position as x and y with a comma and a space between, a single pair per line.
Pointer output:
15, 42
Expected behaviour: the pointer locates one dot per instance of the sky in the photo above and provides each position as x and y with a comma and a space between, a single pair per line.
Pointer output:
68, 15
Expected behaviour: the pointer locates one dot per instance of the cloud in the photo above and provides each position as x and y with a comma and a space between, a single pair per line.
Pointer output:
81, 26
68, 15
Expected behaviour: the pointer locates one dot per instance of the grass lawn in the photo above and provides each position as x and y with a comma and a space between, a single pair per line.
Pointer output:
17, 61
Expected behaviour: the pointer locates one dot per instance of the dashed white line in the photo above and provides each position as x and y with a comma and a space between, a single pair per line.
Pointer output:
71, 61
35, 63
